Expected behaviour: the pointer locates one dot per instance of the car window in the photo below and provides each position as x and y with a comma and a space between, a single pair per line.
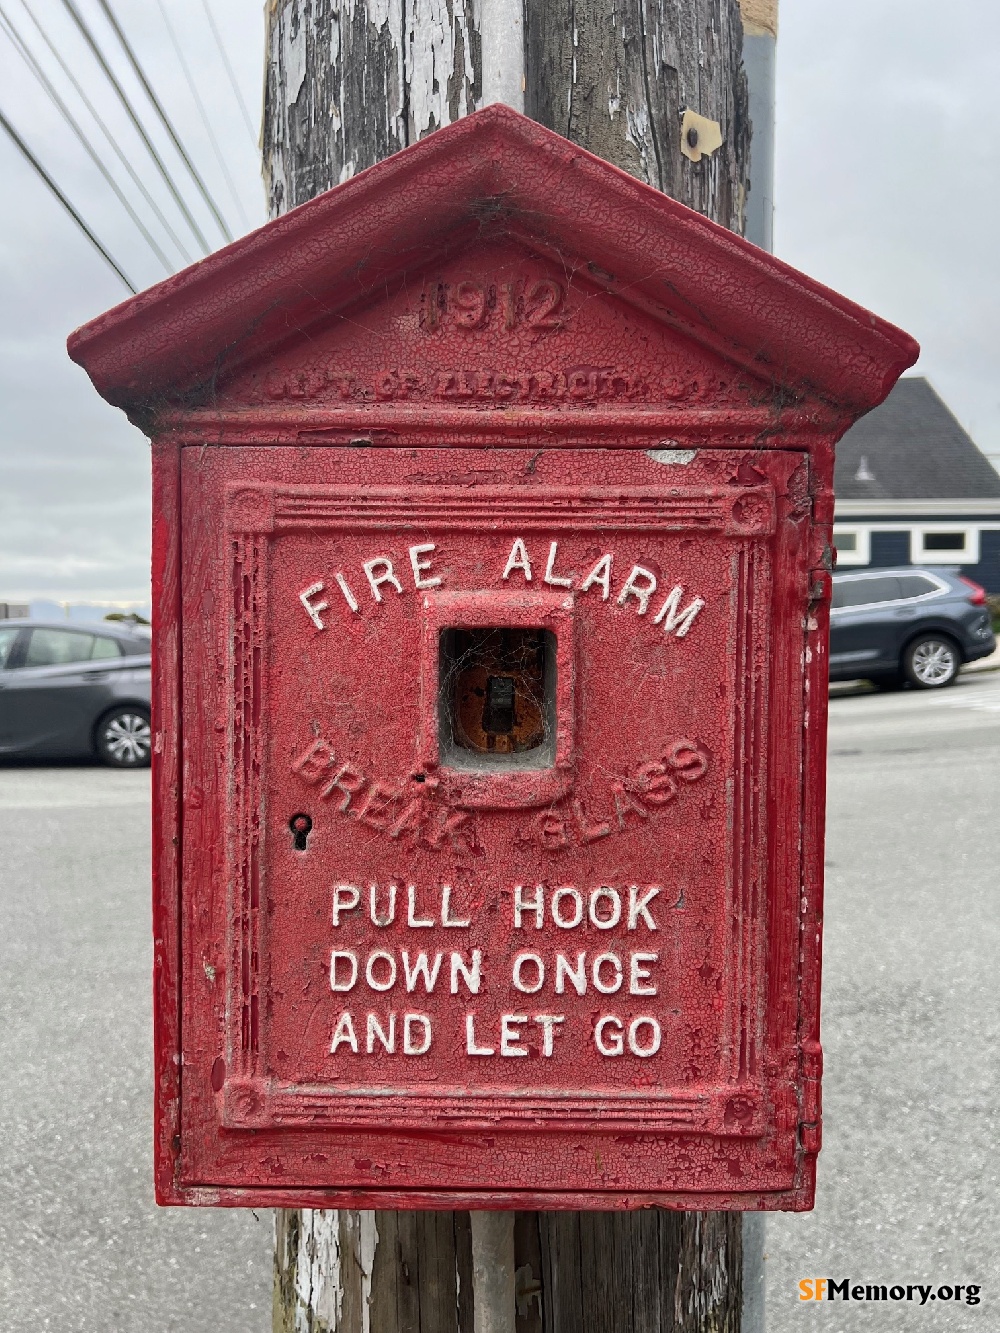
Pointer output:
104, 647
137, 647
860, 592
8, 637
840, 595
56, 647
916, 585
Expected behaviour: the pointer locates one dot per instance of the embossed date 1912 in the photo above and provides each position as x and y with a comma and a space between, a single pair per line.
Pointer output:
536, 304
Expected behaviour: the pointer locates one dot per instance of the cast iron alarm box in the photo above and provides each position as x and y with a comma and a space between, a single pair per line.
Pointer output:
491, 572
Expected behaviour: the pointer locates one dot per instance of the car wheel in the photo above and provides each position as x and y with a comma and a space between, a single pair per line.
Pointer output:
931, 662
123, 738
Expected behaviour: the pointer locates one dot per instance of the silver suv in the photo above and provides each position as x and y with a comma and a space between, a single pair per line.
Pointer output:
74, 690
907, 625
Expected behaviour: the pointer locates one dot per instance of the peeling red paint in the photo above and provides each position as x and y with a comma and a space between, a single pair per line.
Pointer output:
491, 384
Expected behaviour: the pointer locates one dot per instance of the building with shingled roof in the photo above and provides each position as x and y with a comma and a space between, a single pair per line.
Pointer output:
912, 487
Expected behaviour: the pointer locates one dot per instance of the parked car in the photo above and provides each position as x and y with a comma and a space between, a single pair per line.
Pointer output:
70, 691
916, 625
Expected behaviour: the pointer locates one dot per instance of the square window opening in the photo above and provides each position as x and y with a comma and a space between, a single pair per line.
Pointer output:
497, 698
852, 544
944, 541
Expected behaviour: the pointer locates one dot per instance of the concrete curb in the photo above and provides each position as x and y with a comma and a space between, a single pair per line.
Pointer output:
991, 663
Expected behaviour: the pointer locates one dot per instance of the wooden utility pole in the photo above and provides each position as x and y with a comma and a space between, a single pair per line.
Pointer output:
348, 84
657, 87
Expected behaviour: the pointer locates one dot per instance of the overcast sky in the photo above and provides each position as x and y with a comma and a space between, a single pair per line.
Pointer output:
888, 188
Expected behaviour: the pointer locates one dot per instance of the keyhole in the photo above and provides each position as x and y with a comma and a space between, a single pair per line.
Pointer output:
301, 826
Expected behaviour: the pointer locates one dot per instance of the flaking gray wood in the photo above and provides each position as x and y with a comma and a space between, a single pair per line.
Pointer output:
352, 1293
347, 84
616, 76
528, 1282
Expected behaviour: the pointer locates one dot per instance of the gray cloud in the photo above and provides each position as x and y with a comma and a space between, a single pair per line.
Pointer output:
74, 503
887, 153
888, 176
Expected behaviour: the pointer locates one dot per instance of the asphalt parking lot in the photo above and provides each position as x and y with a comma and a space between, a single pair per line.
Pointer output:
908, 1176
83, 1247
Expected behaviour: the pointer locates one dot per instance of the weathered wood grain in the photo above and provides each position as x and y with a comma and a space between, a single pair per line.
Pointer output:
644, 1272
347, 84
350, 81
616, 76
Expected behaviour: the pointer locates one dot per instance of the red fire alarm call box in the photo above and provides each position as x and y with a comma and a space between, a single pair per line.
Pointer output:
491, 570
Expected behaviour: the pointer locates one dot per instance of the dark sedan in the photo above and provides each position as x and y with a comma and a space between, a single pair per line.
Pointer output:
893, 626
73, 691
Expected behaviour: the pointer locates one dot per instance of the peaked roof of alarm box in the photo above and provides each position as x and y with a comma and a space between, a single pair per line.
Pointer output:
493, 174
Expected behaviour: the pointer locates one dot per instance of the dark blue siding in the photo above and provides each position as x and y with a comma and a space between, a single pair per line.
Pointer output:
890, 548
987, 572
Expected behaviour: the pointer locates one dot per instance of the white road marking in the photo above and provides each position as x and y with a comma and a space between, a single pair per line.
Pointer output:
77, 787
982, 703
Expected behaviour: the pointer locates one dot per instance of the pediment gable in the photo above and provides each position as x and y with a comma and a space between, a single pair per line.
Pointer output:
497, 325
597, 293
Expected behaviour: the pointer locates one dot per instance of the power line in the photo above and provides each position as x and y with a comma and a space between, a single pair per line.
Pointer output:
167, 124
229, 70
30, 157
205, 120
133, 116
22, 49
136, 179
